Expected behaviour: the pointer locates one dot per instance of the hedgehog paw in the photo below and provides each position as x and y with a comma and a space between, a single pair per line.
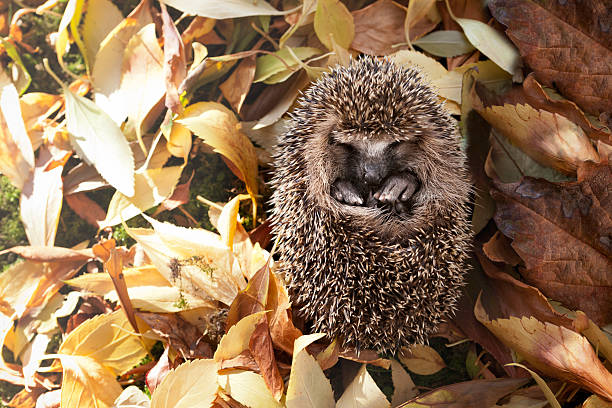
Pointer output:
397, 188
345, 192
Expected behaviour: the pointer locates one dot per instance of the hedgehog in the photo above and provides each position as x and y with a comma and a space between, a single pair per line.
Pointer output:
371, 206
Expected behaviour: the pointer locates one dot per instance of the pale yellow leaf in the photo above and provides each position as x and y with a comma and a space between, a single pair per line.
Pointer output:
100, 142
225, 9
308, 386
107, 70
101, 18
41, 199
237, 338
192, 384
595, 402
17, 285
36, 107
363, 393
87, 384
521, 401
492, 43
151, 187
333, 19
179, 141
248, 388
32, 356
107, 339
404, 387
143, 81
550, 396
16, 153
421, 359
132, 397
219, 128
70, 13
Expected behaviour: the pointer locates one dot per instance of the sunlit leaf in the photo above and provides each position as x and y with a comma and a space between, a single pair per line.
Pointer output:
192, 384
445, 43
100, 142
86, 383
237, 338
332, 19
550, 396
225, 9
132, 397
421, 359
363, 393
101, 18
248, 388
269, 67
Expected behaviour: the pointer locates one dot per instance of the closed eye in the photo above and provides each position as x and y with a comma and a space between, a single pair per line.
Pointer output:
395, 144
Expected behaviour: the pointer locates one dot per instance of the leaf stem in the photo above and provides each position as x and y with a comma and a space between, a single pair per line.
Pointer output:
50, 72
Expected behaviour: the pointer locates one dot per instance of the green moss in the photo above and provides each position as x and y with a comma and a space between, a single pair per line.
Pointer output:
11, 228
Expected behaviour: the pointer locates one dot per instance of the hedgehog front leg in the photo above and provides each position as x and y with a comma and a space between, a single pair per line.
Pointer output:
397, 188
345, 192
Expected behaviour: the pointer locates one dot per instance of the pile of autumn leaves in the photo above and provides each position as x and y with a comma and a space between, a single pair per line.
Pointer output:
542, 205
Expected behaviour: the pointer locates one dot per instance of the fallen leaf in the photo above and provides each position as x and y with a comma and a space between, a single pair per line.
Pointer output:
191, 384
421, 359
108, 340
175, 64
550, 397
308, 386
237, 338
445, 43
42, 194
280, 65
403, 386
561, 231
97, 139
332, 19
132, 397
218, 127
261, 348
36, 108
86, 383
86, 208
566, 45
151, 188
159, 371
227, 9
236, 87
363, 392
16, 153
71, 18
595, 402
248, 388
469, 394
101, 18
498, 249
378, 27
554, 350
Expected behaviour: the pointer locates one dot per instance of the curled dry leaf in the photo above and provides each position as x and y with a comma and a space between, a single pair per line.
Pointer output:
552, 349
549, 138
469, 394
378, 27
191, 384
175, 64
421, 359
260, 345
566, 44
562, 233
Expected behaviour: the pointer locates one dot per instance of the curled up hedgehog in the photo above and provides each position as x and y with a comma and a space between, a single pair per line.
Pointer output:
370, 207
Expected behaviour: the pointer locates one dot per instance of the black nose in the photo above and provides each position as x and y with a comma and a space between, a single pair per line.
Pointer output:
372, 176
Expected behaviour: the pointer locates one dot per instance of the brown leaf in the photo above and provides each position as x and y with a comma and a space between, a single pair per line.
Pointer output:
498, 249
421, 359
184, 337
562, 233
365, 357
114, 267
547, 137
243, 361
237, 85
50, 254
469, 394
554, 350
282, 330
252, 299
86, 208
567, 44
261, 348
179, 196
379, 26
175, 66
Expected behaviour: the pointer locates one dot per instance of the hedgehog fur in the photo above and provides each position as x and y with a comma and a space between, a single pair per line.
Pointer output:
372, 279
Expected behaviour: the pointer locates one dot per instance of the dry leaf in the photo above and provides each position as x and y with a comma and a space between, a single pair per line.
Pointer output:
363, 393
237, 338
227, 9
421, 359
403, 386
566, 45
190, 385
101, 18
175, 65
378, 27
88, 384
248, 388
561, 231
332, 19
237, 85
132, 397
261, 348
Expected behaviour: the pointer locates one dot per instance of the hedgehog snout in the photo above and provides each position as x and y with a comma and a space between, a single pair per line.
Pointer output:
373, 174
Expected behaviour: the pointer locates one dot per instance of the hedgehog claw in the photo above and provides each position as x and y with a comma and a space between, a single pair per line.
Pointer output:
398, 187
345, 192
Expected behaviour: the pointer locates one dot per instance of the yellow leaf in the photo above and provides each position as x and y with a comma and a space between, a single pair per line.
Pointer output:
192, 384
421, 359
101, 18
550, 396
179, 141
72, 12
308, 386
132, 397
281, 64
237, 338
332, 19
87, 384
363, 392
16, 153
36, 107
219, 128
248, 388
151, 187
225, 9
17, 285
107, 339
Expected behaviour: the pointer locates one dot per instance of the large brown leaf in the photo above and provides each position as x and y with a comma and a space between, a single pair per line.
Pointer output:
563, 234
567, 44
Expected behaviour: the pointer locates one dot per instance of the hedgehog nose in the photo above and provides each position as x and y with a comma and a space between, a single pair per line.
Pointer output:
372, 176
